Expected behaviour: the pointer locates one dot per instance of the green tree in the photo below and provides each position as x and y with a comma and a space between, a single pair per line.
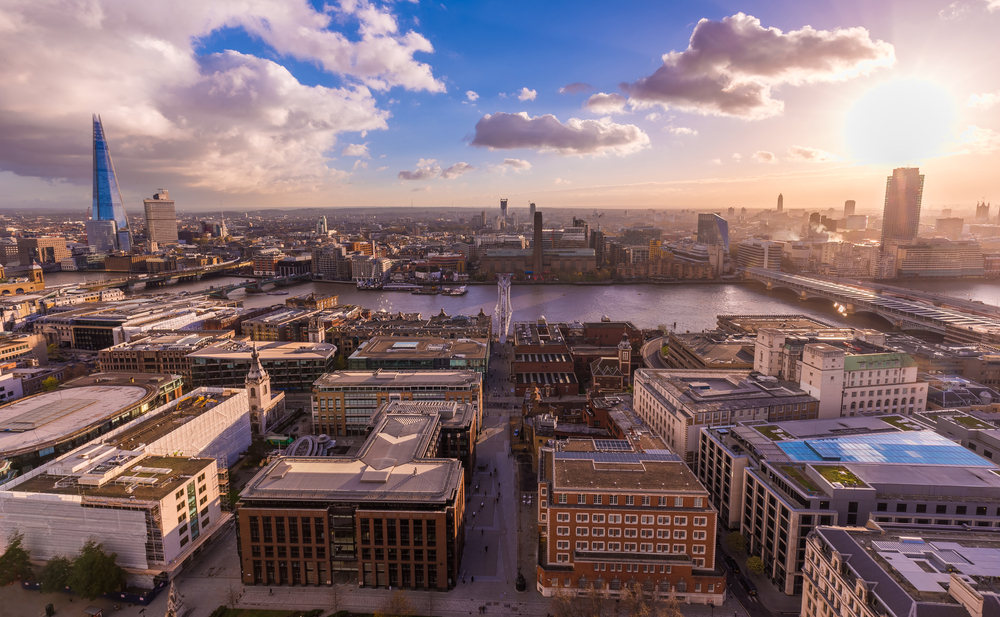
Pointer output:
15, 563
49, 384
736, 542
755, 565
55, 574
339, 362
95, 572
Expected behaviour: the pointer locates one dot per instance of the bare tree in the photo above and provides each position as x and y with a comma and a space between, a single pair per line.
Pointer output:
398, 605
233, 596
335, 597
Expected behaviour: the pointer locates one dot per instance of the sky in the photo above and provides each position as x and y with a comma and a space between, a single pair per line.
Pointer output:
246, 104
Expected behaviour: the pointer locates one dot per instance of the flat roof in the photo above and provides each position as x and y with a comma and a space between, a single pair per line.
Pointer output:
389, 378
400, 347
651, 472
51, 417
165, 342
241, 349
149, 478
156, 426
353, 480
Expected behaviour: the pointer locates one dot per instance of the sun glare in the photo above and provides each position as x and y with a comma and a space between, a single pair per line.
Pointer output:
900, 122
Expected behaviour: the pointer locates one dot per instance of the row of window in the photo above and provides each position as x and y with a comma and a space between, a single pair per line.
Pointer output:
294, 552
285, 535
373, 532
630, 547
394, 554
629, 500
599, 532
631, 519
921, 508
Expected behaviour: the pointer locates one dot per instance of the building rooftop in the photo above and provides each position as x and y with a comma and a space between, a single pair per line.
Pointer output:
718, 348
450, 413
280, 350
907, 448
144, 478
702, 391
402, 348
749, 324
386, 378
166, 342
156, 426
53, 417
650, 472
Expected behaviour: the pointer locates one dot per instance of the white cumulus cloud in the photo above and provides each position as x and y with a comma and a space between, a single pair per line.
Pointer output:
763, 156
226, 121
360, 150
680, 130
504, 131
427, 169
984, 101
730, 66
456, 170
602, 103
471, 95
977, 140
804, 154
527, 95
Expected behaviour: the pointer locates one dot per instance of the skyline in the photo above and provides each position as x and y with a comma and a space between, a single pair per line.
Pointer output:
364, 104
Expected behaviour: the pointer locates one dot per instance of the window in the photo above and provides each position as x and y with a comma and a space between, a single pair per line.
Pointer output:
698, 502
645, 500
582, 531
680, 534
581, 499
662, 502
631, 533
598, 518
581, 546
563, 498
884, 507
598, 499
562, 531
645, 533
615, 519
678, 502
629, 500
597, 532
613, 500
700, 521
582, 518
698, 535
680, 520
562, 517
662, 520
631, 519
647, 520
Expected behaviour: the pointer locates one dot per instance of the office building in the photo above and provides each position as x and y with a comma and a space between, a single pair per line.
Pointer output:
781, 342
982, 212
459, 427
292, 367
108, 228
892, 570
950, 227
776, 481
503, 211
677, 403
354, 330
536, 245
759, 254
781, 203
161, 218
37, 428
344, 402
937, 258
321, 227
713, 230
42, 250
710, 350
849, 207
531, 211
904, 191
617, 518
393, 516
421, 353
159, 353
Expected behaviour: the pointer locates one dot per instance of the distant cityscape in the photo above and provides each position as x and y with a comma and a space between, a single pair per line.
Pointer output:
338, 448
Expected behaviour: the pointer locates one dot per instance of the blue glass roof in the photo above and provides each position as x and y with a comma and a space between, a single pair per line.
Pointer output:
908, 448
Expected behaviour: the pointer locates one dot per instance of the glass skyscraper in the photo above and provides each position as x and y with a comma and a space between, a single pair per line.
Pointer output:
108, 227
904, 191
713, 230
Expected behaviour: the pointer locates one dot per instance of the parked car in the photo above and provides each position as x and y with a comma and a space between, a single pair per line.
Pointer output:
748, 586
733, 565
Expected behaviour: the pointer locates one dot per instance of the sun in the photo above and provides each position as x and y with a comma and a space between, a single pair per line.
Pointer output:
900, 122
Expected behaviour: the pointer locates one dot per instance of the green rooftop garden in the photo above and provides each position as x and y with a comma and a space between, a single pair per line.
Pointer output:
839, 473
971, 422
903, 424
772, 432
798, 475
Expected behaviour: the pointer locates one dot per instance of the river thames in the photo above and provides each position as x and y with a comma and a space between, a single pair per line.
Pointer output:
692, 307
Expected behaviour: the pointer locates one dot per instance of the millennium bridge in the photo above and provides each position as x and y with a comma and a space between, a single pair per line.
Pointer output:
948, 316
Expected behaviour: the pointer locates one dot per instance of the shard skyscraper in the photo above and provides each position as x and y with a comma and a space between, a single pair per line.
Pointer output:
108, 227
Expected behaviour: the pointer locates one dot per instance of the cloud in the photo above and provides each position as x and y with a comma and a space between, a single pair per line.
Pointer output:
984, 101
360, 150
737, 157
576, 88
527, 95
654, 116
802, 154
731, 65
716, 161
516, 164
472, 96
680, 130
602, 103
978, 140
456, 170
427, 169
225, 121
561, 181
503, 131
359, 164
763, 156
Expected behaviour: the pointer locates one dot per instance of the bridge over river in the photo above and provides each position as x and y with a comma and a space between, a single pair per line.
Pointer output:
959, 322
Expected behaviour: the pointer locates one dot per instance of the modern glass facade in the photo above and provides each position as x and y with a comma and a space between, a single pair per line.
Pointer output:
904, 191
713, 230
108, 204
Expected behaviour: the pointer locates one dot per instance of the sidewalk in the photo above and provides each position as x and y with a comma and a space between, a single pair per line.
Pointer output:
768, 594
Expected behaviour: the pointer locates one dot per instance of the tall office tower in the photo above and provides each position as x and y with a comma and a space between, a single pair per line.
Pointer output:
536, 246
849, 208
108, 227
482, 219
161, 218
713, 230
904, 190
531, 211
781, 202
503, 209
321, 227
731, 211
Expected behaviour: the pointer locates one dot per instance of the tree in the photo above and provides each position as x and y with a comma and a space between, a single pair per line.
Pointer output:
55, 574
233, 596
49, 384
398, 605
755, 565
736, 542
95, 572
339, 362
15, 563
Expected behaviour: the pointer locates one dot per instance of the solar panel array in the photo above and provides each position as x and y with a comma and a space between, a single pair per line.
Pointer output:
612, 445
910, 448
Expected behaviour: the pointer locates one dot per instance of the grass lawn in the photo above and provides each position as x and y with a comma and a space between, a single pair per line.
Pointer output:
971, 422
901, 423
772, 432
799, 476
839, 473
